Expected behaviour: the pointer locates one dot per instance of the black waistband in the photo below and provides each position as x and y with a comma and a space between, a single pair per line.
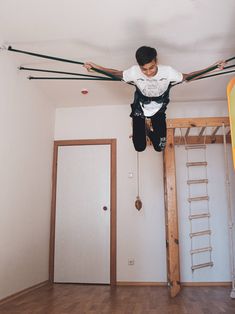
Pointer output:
144, 100
160, 99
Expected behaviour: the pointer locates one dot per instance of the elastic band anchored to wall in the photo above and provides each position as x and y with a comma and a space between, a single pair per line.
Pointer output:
63, 72
208, 70
113, 77
108, 76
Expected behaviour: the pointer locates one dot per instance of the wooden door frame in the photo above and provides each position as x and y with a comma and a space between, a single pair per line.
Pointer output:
170, 189
113, 189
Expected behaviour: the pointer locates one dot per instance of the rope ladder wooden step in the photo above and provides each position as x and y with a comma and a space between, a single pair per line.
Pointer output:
209, 264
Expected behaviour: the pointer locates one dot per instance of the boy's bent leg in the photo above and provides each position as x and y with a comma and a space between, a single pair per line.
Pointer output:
158, 136
139, 134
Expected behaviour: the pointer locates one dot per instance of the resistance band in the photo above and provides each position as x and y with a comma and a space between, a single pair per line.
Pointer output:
59, 59
71, 78
216, 74
110, 76
207, 70
60, 72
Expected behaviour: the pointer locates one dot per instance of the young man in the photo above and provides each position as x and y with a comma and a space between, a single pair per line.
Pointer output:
153, 82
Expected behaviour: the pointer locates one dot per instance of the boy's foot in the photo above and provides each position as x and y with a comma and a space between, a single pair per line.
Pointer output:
162, 143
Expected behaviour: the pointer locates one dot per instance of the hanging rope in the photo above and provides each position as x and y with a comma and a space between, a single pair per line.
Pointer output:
207, 193
138, 203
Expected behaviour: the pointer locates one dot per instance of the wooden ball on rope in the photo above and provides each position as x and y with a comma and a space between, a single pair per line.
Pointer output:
138, 203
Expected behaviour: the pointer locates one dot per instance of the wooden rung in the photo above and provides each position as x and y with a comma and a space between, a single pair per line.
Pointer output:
202, 131
215, 131
198, 198
199, 216
187, 132
201, 250
200, 233
196, 146
196, 163
197, 181
210, 264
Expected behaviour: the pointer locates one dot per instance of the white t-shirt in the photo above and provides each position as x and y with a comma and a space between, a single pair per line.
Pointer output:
152, 86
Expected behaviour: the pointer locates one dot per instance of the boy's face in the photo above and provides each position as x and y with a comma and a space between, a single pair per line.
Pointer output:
149, 69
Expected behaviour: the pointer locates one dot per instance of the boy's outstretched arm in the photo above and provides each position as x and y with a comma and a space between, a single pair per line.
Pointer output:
219, 66
90, 65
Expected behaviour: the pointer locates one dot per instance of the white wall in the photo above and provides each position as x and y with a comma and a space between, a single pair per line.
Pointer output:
26, 137
141, 235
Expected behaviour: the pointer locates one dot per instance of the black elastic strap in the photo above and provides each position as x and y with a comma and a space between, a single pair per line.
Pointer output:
59, 59
207, 70
59, 72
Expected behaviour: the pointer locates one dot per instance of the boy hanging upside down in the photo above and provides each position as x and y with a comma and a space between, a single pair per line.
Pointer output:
153, 82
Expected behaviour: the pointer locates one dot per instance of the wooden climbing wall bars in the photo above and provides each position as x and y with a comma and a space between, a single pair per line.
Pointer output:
208, 132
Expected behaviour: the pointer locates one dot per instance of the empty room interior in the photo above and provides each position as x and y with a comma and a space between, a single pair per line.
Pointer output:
96, 216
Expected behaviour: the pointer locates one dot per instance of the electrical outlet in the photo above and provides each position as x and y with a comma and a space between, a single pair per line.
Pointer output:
131, 261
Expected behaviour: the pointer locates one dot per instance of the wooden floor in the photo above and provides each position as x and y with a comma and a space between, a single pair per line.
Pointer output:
71, 298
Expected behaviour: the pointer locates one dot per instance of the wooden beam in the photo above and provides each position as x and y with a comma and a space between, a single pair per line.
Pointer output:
217, 139
172, 235
197, 122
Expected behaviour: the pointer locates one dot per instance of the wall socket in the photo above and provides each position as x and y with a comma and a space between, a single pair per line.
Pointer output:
131, 261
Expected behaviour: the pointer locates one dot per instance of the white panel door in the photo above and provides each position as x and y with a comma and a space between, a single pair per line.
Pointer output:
82, 230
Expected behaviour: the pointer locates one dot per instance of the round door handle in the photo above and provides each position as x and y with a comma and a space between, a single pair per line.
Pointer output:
105, 208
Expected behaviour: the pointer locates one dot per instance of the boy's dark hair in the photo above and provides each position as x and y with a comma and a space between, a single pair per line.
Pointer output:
145, 55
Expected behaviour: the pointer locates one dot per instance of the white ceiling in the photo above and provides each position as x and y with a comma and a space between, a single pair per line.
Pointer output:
188, 34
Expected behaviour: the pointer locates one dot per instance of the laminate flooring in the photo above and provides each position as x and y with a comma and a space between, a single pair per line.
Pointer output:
79, 299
